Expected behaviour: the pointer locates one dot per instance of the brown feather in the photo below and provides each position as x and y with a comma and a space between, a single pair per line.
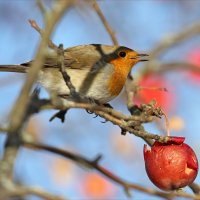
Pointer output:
80, 57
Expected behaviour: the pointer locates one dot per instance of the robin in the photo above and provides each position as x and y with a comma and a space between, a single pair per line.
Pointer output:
97, 71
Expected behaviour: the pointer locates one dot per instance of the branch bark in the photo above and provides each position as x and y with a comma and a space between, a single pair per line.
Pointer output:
104, 21
94, 164
19, 115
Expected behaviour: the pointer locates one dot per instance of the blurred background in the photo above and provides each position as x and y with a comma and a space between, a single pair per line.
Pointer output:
140, 25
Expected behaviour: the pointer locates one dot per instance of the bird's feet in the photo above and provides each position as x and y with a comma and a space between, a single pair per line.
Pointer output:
60, 114
99, 104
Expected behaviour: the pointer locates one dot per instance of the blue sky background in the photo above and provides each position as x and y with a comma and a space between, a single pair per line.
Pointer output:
140, 25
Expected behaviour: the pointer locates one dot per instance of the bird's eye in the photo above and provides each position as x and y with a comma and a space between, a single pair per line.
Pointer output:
122, 54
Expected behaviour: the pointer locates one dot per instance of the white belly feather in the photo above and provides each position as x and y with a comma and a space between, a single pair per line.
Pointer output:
95, 87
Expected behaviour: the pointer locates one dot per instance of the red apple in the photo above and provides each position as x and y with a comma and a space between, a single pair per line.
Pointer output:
171, 165
164, 99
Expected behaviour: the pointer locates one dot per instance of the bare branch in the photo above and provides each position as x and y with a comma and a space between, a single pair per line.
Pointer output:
104, 21
172, 40
195, 188
60, 60
23, 99
94, 164
177, 66
129, 123
166, 43
22, 191
19, 112
66, 77
41, 7
41, 32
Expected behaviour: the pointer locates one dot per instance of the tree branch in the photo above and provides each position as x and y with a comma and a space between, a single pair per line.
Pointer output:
174, 39
21, 191
20, 111
164, 67
41, 32
104, 21
195, 188
169, 41
94, 164
129, 123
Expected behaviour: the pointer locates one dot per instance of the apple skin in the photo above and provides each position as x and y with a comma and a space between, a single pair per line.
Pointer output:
171, 165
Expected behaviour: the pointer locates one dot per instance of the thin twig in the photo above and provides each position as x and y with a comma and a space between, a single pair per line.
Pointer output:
165, 67
41, 7
104, 21
169, 41
22, 191
41, 32
174, 39
195, 188
66, 77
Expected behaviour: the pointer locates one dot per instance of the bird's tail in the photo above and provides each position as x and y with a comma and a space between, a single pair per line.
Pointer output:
13, 68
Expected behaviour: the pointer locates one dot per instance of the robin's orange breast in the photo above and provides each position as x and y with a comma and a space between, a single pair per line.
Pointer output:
118, 78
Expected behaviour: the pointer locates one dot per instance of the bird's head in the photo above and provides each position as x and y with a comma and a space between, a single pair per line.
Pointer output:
124, 57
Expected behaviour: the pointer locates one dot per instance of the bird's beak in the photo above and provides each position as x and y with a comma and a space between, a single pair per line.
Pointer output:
142, 57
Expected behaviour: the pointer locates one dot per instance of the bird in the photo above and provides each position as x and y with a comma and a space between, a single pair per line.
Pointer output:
97, 71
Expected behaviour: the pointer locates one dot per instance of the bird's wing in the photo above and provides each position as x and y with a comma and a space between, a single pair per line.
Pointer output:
78, 57
83, 56
93, 56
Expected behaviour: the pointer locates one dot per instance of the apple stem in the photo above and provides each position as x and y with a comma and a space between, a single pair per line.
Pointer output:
167, 124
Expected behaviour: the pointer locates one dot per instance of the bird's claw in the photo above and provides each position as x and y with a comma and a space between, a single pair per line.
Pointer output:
60, 114
104, 121
89, 112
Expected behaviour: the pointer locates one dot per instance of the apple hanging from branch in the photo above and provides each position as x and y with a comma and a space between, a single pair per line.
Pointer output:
171, 165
